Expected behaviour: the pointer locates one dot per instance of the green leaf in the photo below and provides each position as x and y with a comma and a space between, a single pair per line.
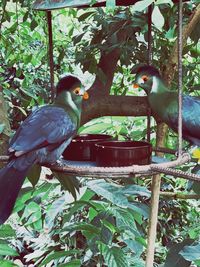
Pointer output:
157, 18
58, 255
6, 263
113, 256
27, 58
191, 253
34, 255
34, 174
32, 213
110, 192
70, 183
174, 258
136, 190
142, 5
81, 227
6, 250
33, 25
73, 263
124, 219
7, 231
56, 207
85, 15
96, 128
77, 38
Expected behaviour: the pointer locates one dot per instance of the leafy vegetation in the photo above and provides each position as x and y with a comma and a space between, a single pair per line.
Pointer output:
106, 222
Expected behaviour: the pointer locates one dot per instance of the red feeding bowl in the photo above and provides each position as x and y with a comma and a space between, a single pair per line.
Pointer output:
82, 147
123, 153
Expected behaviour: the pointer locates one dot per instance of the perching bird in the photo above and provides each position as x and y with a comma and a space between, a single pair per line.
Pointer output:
41, 138
164, 103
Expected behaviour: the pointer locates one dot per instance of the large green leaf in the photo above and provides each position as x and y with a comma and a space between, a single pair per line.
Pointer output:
58, 255
6, 231
113, 256
72, 263
157, 18
34, 174
142, 5
55, 208
70, 183
81, 227
111, 192
191, 253
6, 263
136, 190
6, 250
124, 219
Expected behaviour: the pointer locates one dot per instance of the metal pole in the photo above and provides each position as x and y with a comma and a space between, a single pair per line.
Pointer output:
51, 63
180, 75
149, 62
150, 53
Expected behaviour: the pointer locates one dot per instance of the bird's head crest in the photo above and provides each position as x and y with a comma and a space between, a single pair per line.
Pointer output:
66, 83
148, 69
144, 76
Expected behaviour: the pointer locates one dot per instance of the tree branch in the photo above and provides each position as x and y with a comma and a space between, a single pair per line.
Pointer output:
171, 67
114, 106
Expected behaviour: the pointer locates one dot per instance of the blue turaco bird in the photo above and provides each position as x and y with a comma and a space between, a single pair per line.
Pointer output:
164, 103
41, 138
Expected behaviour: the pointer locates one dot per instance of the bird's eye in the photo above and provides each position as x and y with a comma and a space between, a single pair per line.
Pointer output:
77, 91
145, 78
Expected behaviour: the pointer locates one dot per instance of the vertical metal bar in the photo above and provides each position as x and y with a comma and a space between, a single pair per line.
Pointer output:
149, 63
51, 63
180, 75
150, 53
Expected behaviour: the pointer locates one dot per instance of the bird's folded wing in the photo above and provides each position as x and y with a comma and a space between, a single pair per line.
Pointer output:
44, 126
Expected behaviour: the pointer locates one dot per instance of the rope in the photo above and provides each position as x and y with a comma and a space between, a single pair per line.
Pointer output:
116, 172
177, 173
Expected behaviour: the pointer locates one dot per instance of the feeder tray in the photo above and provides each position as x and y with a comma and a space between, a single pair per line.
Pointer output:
123, 153
82, 147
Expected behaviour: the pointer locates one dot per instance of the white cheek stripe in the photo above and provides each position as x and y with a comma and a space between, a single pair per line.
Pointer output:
154, 85
140, 81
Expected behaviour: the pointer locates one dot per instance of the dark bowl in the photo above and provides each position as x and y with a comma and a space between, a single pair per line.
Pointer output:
82, 147
123, 153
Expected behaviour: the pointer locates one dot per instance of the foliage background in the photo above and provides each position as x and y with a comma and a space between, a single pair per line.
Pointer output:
106, 224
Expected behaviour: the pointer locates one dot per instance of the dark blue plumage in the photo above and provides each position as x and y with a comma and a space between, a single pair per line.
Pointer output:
41, 138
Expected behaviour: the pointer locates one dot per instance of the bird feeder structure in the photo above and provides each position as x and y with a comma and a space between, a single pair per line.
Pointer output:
126, 172
134, 170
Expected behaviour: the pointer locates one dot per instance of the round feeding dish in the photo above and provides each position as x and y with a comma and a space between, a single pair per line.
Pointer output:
82, 147
123, 153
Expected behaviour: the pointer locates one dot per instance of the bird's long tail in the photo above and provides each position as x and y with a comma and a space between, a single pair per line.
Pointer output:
11, 180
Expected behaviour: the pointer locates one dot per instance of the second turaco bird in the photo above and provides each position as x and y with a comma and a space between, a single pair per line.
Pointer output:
164, 103
41, 138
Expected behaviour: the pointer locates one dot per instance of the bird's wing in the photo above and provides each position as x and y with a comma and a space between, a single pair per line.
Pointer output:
45, 126
190, 118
